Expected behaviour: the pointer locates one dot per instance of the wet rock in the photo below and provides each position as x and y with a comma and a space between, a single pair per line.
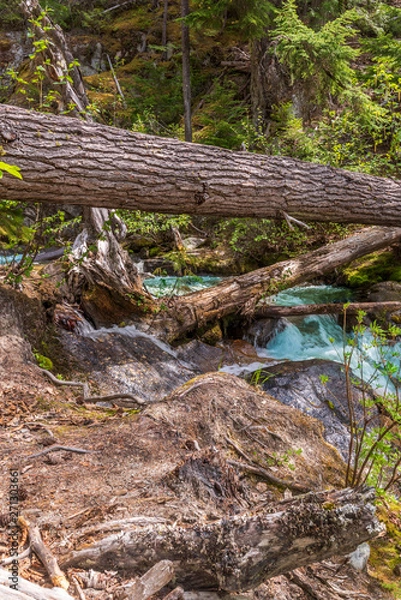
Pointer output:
262, 331
385, 292
159, 265
303, 385
206, 358
124, 359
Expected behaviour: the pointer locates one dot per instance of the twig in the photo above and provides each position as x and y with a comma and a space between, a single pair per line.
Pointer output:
119, 90
282, 483
134, 399
291, 220
21, 556
80, 591
35, 424
117, 6
94, 399
56, 448
60, 381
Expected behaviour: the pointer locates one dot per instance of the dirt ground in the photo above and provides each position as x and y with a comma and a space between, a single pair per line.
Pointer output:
169, 462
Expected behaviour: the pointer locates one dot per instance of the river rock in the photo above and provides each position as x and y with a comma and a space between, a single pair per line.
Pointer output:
385, 291
124, 359
302, 385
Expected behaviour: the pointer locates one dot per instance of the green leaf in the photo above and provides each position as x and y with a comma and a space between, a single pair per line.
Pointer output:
10, 169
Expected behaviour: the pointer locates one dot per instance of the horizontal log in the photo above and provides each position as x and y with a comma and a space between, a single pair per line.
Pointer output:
239, 553
276, 312
67, 161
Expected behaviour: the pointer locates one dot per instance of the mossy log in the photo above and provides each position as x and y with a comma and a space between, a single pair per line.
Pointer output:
239, 553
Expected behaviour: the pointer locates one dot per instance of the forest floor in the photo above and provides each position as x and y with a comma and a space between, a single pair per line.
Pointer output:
169, 462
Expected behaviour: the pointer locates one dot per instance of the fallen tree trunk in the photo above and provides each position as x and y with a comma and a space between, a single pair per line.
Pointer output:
65, 160
277, 312
241, 294
239, 553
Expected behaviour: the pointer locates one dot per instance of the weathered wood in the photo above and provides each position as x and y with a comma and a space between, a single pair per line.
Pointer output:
277, 312
64, 160
241, 294
47, 559
154, 580
25, 590
239, 553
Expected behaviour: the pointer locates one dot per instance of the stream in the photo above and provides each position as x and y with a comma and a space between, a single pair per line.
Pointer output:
303, 338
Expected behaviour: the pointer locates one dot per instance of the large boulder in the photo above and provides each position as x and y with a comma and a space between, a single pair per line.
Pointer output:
317, 388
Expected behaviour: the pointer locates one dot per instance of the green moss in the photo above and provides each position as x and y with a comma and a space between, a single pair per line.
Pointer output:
374, 268
44, 362
385, 551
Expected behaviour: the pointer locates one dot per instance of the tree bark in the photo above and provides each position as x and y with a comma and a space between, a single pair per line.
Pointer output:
164, 28
64, 160
240, 295
186, 71
239, 553
277, 312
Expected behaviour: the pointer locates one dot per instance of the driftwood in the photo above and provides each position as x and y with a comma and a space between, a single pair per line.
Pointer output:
276, 312
67, 161
122, 399
239, 553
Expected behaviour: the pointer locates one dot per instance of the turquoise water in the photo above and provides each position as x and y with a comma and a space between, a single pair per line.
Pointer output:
5, 260
178, 286
321, 336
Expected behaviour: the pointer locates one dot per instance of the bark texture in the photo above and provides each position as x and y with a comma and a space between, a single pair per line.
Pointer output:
239, 553
241, 294
64, 160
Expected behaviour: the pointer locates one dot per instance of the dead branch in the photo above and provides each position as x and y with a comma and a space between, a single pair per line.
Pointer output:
47, 559
25, 590
278, 312
56, 448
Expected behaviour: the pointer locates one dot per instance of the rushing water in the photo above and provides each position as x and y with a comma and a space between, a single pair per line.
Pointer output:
321, 336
